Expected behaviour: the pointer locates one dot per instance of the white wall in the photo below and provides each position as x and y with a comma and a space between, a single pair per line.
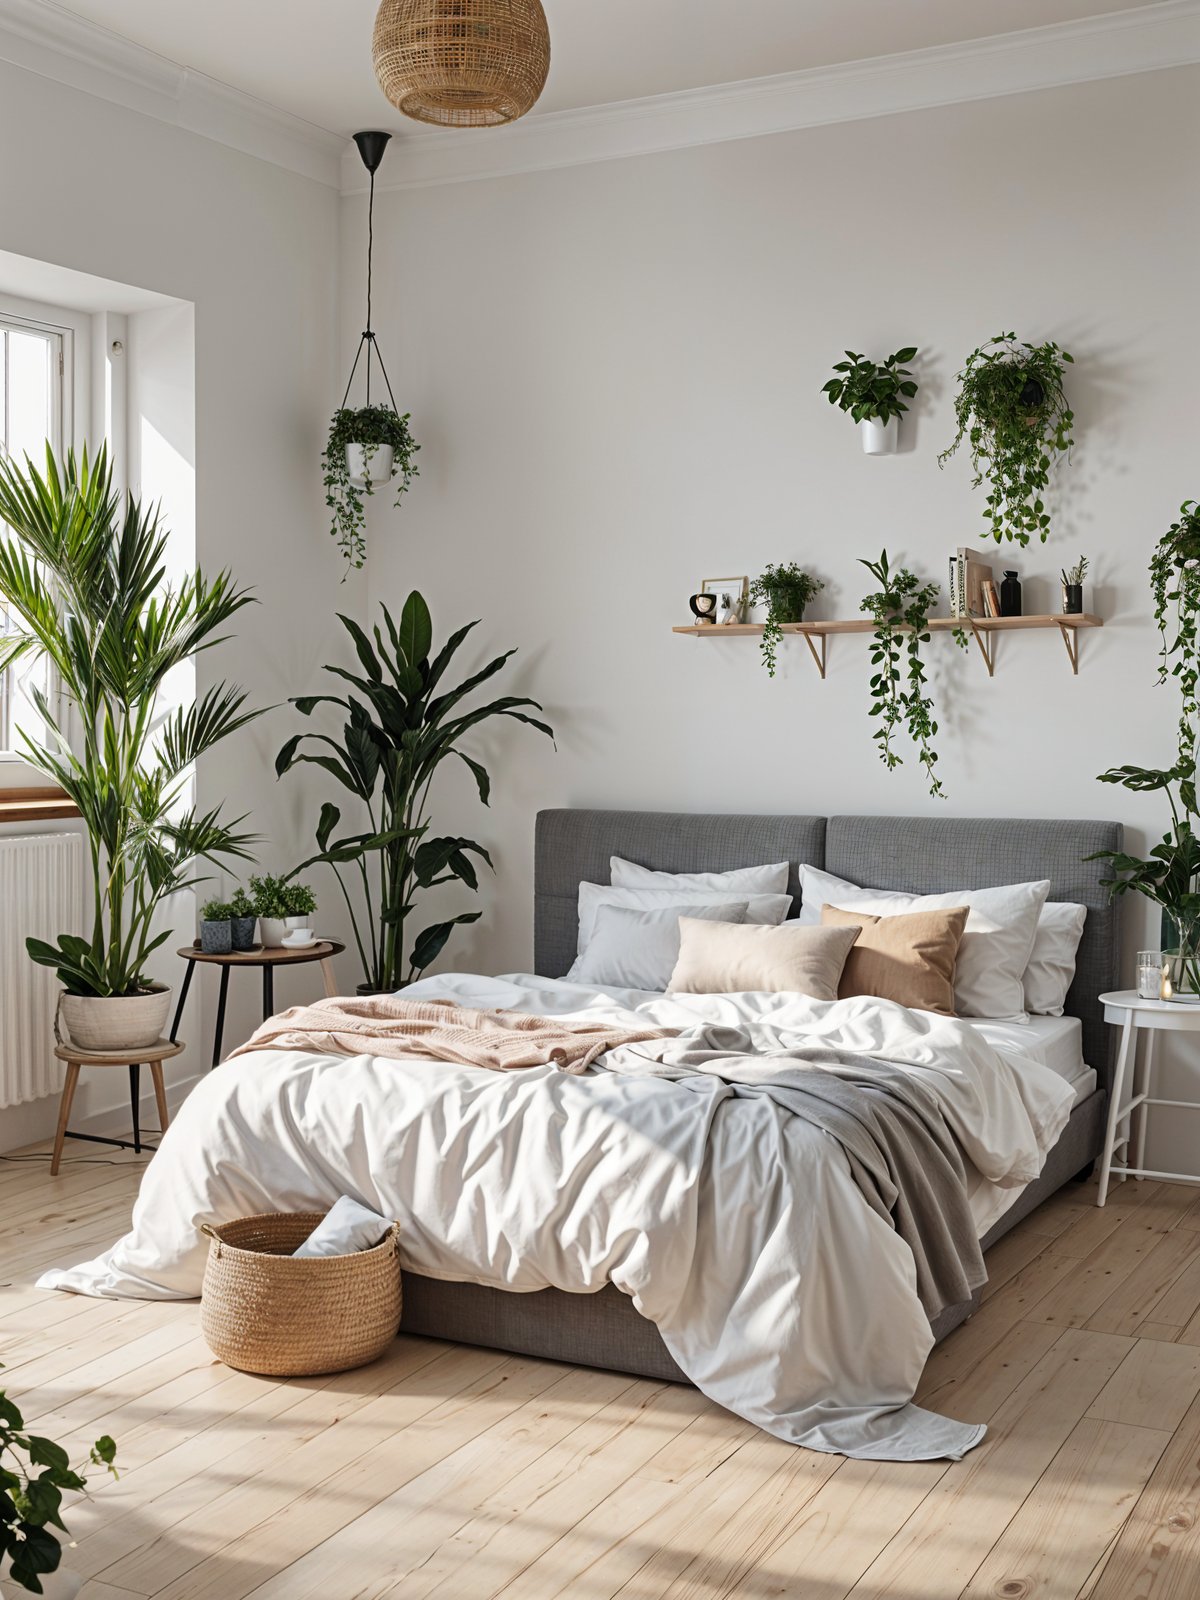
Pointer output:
615, 373
252, 247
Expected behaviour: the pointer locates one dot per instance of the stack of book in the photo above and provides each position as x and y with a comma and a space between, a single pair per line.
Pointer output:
972, 592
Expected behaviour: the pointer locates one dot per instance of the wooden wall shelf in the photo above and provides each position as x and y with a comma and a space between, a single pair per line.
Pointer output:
982, 629
35, 805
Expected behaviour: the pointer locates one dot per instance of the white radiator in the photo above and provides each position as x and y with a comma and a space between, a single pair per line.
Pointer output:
41, 894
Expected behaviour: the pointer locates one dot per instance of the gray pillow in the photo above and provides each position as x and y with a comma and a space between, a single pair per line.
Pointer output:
635, 949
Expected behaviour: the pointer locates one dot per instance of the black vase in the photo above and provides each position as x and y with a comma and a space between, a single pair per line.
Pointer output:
1072, 599
1010, 596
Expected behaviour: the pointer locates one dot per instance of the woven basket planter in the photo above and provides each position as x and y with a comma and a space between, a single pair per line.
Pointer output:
461, 63
267, 1311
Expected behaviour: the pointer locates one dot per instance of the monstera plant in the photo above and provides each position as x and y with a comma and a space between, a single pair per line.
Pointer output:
401, 724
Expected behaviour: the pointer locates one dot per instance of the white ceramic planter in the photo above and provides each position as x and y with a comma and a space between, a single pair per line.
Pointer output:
116, 1022
880, 438
272, 929
377, 469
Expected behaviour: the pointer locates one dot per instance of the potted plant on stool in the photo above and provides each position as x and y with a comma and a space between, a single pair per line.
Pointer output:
282, 907
83, 579
216, 928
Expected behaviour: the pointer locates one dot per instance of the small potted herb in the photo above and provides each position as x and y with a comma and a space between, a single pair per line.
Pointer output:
216, 932
1072, 582
242, 920
785, 591
874, 395
34, 1473
281, 907
367, 446
1012, 410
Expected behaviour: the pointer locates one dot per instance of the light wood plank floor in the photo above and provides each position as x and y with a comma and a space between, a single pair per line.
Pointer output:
456, 1473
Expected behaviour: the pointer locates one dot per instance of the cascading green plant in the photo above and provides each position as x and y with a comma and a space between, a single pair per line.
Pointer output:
371, 427
83, 577
1013, 411
399, 731
785, 591
899, 696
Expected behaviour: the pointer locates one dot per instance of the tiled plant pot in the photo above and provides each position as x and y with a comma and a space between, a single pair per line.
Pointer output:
242, 930
216, 938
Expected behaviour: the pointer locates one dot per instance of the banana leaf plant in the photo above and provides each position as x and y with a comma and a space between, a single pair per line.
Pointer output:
83, 579
399, 730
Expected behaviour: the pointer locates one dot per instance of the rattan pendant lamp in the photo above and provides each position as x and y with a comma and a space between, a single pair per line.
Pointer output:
461, 63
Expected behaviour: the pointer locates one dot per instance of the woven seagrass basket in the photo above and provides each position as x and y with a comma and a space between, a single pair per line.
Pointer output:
267, 1311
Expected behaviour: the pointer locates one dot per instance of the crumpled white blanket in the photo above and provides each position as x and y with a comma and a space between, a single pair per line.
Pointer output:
735, 1227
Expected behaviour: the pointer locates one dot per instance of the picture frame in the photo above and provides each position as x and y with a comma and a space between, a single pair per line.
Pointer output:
737, 588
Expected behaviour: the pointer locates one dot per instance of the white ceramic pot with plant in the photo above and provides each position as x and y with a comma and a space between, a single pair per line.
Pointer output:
283, 907
367, 446
75, 579
875, 396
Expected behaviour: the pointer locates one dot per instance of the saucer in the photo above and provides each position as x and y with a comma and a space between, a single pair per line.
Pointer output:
292, 942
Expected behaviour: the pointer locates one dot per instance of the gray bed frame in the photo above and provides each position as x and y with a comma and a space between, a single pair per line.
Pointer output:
920, 855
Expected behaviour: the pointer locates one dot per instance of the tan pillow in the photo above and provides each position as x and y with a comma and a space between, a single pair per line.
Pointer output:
908, 958
721, 958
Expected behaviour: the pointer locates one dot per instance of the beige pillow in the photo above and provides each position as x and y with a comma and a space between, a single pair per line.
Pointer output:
908, 958
724, 958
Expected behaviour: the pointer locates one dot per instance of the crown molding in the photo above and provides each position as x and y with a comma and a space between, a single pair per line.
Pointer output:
45, 39
1145, 39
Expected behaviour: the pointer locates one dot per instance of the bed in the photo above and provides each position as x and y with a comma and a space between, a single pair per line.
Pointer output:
914, 854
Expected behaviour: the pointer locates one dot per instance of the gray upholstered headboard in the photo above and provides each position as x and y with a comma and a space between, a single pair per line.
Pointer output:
921, 855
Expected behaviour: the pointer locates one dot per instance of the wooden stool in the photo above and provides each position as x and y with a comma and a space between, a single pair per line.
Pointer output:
153, 1055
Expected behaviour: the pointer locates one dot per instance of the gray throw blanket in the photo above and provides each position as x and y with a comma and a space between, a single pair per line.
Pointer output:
902, 1155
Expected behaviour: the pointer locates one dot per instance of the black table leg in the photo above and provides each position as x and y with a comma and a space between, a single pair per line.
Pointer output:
268, 990
183, 994
220, 1033
135, 1095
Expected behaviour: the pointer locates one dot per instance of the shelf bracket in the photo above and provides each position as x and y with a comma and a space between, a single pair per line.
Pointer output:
987, 647
818, 656
1070, 637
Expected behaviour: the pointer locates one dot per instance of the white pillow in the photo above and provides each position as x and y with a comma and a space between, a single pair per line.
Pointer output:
996, 944
760, 908
632, 949
1051, 965
750, 880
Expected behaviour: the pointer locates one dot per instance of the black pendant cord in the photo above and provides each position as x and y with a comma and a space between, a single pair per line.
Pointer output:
368, 336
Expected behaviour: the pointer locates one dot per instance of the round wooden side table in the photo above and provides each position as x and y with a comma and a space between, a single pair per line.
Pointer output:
152, 1055
1135, 1017
268, 957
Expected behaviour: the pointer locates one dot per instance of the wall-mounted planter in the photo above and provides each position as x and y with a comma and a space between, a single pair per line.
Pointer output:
378, 468
880, 438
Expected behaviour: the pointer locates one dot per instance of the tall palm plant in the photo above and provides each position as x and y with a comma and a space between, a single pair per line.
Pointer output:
398, 733
83, 575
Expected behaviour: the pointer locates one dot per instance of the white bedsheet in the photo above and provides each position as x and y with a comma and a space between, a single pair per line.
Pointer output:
1056, 1042
736, 1228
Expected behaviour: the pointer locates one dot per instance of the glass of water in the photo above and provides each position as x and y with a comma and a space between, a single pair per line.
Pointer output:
1151, 965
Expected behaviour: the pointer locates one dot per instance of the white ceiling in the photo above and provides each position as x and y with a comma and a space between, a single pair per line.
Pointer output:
312, 57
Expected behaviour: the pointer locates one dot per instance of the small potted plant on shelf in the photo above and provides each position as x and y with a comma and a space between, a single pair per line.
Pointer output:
1012, 410
367, 446
33, 1475
785, 591
281, 907
1072, 585
242, 920
874, 394
216, 929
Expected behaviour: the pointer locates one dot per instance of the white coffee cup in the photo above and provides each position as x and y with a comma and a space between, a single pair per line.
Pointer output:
299, 938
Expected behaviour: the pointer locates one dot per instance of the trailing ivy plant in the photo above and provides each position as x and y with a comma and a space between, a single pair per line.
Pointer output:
899, 692
371, 427
34, 1471
785, 591
869, 390
1013, 411
1169, 875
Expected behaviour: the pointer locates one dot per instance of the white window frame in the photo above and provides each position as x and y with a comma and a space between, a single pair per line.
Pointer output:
71, 331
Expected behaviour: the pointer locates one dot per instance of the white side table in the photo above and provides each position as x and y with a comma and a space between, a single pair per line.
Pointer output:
1135, 1016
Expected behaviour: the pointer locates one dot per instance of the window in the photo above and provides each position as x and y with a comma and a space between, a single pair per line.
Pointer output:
34, 382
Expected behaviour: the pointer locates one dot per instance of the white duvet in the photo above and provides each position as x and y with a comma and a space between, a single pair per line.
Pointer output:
734, 1226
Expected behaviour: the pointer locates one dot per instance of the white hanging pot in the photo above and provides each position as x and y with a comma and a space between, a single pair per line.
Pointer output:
378, 467
880, 438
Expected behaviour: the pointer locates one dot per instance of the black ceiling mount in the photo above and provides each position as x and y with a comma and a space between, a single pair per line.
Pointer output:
371, 147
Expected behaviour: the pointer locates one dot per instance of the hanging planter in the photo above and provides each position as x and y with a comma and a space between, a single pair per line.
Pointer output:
1012, 410
370, 444
874, 394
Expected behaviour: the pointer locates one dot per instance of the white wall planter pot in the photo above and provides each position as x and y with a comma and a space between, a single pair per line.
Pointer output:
880, 438
116, 1022
273, 929
378, 468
